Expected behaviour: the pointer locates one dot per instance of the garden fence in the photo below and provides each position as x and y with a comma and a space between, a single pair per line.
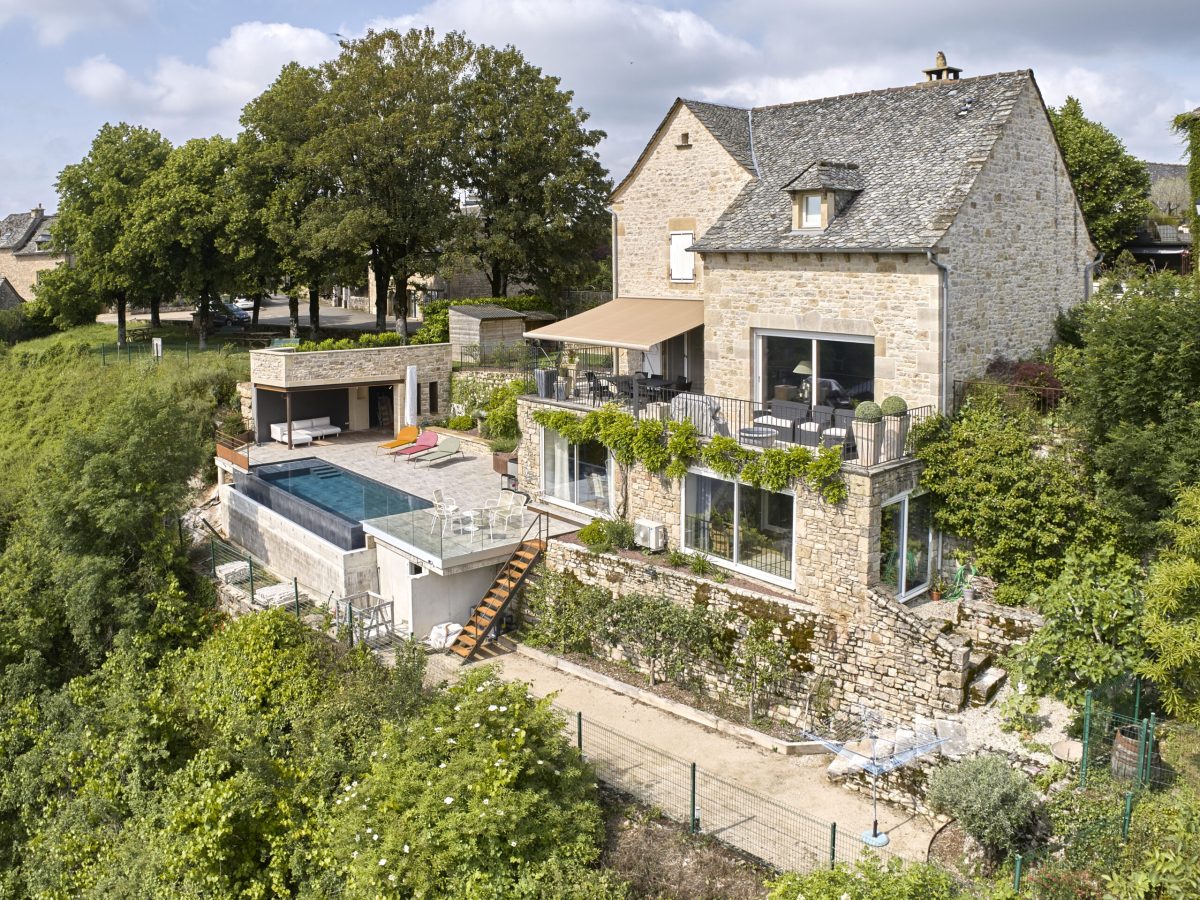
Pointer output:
708, 804
1124, 747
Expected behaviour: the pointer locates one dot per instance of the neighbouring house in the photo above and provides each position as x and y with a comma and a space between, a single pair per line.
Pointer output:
775, 267
25, 249
9, 298
1165, 241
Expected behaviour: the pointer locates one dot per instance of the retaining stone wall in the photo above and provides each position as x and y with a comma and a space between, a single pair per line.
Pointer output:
996, 628
872, 651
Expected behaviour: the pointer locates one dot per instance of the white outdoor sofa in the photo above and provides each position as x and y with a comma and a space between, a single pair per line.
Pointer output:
304, 431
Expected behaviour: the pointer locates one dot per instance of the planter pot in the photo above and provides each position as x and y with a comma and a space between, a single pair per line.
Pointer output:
935, 596
868, 438
968, 595
895, 436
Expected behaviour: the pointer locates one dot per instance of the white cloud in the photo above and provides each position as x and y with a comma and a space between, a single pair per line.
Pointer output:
53, 21
186, 99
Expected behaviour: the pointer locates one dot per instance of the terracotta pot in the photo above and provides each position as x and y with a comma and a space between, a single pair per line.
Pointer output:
935, 596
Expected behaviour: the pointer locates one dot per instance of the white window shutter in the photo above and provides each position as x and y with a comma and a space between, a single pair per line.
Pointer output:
683, 263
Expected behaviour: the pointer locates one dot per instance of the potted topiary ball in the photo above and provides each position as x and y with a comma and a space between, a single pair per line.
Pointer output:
868, 432
895, 427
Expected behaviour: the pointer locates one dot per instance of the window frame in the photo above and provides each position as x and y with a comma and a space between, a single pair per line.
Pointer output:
691, 239
730, 564
805, 222
902, 500
758, 346
606, 513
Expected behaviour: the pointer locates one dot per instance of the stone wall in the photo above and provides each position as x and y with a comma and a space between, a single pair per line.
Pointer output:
287, 368
996, 628
1017, 248
21, 269
890, 298
290, 551
674, 189
873, 651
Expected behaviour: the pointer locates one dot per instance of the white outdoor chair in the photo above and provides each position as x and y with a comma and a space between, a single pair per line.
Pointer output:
514, 508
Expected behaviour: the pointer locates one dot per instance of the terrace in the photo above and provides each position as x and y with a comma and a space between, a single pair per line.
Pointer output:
468, 537
592, 380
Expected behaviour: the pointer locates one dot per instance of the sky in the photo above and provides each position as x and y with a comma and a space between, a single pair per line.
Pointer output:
186, 67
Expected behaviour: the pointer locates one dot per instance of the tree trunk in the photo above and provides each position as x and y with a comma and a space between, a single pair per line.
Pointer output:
314, 309
293, 315
206, 305
121, 320
496, 279
383, 275
258, 298
155, 316
402, 305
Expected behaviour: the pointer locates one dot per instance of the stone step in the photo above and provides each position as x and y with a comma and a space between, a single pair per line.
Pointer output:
983, 688
978, 661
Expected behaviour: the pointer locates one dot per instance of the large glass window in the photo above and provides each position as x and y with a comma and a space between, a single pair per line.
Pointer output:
743, 525
575, 473
905, 545
815, 370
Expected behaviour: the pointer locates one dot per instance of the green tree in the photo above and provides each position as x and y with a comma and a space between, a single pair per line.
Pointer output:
670, 639
1113, 186
1092, 631
1187, 125
758, 663
185, 214
1142, 425
1171, 623
531, 163
389, 138
1020, 506
99, 199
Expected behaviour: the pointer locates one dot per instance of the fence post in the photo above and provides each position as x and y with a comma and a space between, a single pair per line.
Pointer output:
212, 555
103, 356
1141, 760
1150, 751
179, 522
1087, 736
1137, 696
350, 620
296, 594
186, 354
1017, 874
1128, 813
579, 730
833, 845
250, 563
693, 820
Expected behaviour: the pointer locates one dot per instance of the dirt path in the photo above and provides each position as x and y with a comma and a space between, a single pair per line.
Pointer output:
796, 782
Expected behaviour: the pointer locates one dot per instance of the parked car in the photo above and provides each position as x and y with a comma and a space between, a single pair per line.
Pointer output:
221, 314
244, 303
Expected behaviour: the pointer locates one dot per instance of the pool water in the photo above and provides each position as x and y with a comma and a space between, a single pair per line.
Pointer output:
336, 490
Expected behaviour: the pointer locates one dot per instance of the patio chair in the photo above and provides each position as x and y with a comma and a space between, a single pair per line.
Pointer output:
444, 511
510, 507
425, 442
405, 436
444, 450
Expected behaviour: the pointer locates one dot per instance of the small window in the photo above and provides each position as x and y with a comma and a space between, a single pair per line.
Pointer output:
685, 139
683, 261
433, 398
811, 216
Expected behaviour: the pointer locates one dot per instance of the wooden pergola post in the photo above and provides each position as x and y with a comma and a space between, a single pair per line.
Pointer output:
287, 400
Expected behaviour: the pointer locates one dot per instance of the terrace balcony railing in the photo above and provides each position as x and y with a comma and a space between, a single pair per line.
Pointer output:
752, 424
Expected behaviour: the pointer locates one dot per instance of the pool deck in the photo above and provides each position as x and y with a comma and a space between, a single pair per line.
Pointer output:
467, 480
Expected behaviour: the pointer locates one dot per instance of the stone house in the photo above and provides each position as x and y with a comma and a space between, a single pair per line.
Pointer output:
25, 249
777, 266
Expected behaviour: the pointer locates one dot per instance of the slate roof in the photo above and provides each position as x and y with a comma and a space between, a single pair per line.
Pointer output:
9, 298
730, 125
1160, 171
918, 150
485, 311
824, 175
16, 229
40, 234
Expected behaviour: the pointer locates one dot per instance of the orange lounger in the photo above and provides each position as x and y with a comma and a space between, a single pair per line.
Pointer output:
405, 436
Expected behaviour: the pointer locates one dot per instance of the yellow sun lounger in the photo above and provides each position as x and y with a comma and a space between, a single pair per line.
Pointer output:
405, 436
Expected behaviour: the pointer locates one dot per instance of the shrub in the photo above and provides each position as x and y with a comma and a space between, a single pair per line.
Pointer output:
894, 406
602, 535
461, 423
867, 411
563, 613
867, 880
995, 804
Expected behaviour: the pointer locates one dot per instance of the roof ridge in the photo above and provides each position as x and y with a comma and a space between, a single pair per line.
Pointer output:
685, 100
921, 85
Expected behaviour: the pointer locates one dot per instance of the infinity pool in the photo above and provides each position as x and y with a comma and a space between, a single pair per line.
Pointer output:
332, 490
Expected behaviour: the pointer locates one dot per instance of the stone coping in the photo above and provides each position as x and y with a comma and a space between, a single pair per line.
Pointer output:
682, 710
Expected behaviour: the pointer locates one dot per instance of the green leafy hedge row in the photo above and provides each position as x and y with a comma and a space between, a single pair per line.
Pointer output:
671, 448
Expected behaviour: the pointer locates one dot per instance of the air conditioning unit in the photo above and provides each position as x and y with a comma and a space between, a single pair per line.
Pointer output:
651, 535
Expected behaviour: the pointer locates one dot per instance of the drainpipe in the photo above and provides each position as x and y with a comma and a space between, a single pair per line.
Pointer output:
943, 315
1088, 269
614, 255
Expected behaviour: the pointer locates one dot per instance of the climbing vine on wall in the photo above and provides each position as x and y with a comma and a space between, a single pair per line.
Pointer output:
672, 448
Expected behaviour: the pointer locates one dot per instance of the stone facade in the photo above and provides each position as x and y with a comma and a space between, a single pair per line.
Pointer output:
891, 298
872, 651
993, 628
675, 188
1017, 247
23, 269
287, 368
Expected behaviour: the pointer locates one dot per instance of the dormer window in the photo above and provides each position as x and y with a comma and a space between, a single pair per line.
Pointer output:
810, 211
821, 192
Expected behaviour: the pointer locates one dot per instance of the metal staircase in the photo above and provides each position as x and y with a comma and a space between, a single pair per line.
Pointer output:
508, 582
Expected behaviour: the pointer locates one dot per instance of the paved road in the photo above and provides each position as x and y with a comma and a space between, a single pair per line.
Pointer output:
275, 312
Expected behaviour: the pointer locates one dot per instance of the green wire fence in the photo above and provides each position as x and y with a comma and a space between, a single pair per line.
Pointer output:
705, 803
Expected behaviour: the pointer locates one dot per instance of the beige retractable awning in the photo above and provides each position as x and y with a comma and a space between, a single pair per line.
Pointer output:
629, 323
